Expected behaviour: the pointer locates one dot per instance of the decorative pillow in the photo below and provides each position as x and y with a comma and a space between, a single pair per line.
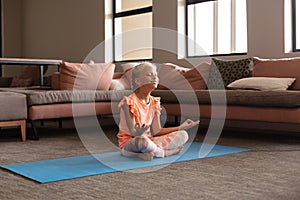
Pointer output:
33, 73
55, 81
117, 75
127, 66
21, 82
47, 81
281, 68
180, 78
171, 76
223, 72
198, 76
86, 76
119, 84
175, 77
262, 83
127, 69
5, 81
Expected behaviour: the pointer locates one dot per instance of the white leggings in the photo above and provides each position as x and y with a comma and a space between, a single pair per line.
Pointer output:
142, 144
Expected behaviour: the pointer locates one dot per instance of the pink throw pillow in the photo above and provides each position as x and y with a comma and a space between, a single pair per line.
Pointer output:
120, 79
21, 82
171, 76
180, 78
119, 84
279, 68
55, 81
198, 76
76, 76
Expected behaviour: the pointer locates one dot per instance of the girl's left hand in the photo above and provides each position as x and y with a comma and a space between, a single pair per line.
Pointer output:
139, 130
188, 124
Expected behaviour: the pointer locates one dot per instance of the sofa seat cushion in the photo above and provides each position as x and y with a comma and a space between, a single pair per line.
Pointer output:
12, 106
41, 97
287, 99
63, 96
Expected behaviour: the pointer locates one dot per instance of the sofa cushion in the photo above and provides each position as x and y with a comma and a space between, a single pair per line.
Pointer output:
171, 76
198, 76
262, 83
119, 84
127, 72
76, 76
223, 72
55, 81
21, 82
32, 72
286, 99
5, 81
281, 68
12, 106
174, 77
128, 66
40, 97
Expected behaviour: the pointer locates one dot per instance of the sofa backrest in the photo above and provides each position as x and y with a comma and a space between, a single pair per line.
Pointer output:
281, 68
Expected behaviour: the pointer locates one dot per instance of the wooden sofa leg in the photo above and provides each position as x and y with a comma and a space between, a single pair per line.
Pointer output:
23, 130
20, 123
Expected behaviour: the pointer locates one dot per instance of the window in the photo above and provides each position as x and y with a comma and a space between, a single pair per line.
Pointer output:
296, 24
216, 27
132, 30
1, 36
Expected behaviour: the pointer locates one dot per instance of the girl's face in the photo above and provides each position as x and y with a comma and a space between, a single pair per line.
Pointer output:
147, 77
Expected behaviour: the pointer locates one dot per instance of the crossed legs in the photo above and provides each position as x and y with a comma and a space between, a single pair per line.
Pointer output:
161, 146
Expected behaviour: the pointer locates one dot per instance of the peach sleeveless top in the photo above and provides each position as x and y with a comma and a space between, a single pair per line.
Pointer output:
142, 114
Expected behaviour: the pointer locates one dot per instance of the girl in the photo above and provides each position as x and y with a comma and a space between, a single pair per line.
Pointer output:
140, 131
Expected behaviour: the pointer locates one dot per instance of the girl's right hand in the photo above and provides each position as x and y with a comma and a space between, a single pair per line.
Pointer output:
188, 124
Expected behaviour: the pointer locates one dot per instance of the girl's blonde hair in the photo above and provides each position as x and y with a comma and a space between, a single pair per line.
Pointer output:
136, 72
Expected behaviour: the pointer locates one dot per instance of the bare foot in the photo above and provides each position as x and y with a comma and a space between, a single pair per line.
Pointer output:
173, 151
146, 156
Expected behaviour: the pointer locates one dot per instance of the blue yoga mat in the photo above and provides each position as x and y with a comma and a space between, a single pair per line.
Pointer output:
46, 171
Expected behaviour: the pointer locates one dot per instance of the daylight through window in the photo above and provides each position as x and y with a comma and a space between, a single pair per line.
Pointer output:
132, 30
216, 27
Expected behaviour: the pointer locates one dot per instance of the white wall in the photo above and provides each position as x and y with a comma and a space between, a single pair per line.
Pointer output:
12, 32
65, 29
69, 29
57, 29
266, 28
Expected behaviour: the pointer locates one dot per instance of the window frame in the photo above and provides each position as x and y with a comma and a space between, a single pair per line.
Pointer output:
1, 34
294, 32
127, 13
191, 2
